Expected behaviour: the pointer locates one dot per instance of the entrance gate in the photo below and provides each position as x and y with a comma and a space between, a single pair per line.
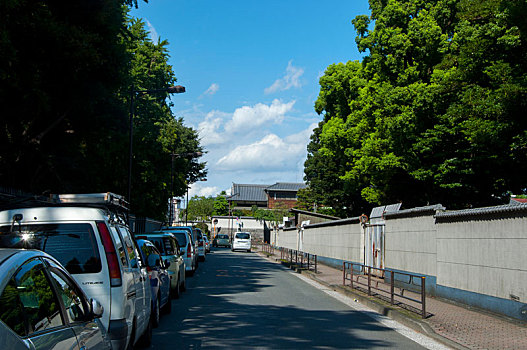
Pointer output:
374, 248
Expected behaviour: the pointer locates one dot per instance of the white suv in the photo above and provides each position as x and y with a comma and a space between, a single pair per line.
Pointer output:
86, 234
241, 241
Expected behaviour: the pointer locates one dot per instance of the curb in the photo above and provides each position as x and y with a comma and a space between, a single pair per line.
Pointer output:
417, 325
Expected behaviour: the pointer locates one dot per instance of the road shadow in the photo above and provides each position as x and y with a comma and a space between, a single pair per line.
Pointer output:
222, 310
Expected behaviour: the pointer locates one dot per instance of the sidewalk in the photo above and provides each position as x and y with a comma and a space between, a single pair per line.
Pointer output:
456, 326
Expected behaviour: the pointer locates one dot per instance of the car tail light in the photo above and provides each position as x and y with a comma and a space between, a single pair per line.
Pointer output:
111, 255
189, 251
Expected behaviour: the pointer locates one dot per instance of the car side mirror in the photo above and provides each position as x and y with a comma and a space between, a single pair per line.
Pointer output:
96, 308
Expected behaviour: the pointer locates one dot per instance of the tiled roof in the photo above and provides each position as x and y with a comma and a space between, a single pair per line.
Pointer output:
250, 193
467, 213
287, 186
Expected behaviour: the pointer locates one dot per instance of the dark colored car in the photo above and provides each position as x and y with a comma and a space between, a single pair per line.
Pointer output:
159, 279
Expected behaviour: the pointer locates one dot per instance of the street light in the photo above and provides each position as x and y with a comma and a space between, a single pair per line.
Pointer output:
188, 155
178, 89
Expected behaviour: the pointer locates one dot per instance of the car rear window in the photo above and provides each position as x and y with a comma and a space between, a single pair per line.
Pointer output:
223, 236
181, 238
170, 246
158, 242
73, 245
243, 235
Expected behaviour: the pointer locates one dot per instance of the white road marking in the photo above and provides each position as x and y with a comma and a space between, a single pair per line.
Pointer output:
417, 337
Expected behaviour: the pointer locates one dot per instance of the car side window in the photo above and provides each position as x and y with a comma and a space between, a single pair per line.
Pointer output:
130, 250
147, 250
71, 298
169, 246
11, 309
35, 296
121, 248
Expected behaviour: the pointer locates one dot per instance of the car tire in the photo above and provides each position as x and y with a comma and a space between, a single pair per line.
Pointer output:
132, 338
184, 284
167, 308
146, 339
156, 315
175, 293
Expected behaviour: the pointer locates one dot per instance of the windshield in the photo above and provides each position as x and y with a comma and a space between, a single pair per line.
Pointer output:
73, 245
243, 235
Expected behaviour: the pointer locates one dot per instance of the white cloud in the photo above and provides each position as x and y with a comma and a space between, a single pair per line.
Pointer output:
153, 33
289, 80
246, 117
213, 88
271, 153
200, 190
209, 129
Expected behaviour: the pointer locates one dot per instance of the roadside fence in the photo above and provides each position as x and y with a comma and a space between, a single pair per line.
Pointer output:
299, 259
399, 288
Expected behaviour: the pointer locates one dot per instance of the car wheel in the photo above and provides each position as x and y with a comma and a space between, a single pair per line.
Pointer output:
184, 284
146, 339
175, 293
132, 338
156, 313
168, 306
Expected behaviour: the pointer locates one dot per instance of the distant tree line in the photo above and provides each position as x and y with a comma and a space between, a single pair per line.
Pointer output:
434, 113
67, 69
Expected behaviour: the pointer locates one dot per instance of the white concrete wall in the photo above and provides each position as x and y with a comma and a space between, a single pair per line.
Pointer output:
344, 241
339, 242
286, 239
410, 244
486, 256
226, 223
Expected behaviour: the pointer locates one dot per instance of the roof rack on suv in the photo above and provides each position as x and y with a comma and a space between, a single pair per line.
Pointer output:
106, 200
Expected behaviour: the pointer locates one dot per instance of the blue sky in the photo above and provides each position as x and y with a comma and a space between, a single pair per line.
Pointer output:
251, 71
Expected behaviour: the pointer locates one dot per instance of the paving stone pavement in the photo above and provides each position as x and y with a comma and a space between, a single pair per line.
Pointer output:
465, 326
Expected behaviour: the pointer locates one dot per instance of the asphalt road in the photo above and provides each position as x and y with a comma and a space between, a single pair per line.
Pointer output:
242, 301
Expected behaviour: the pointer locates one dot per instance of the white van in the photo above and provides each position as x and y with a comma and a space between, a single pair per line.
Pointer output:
241, 241
91, 240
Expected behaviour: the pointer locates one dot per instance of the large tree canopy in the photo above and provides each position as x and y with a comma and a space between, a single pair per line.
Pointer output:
67, 69
434, 113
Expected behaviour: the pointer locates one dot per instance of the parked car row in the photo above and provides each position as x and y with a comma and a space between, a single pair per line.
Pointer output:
74, 276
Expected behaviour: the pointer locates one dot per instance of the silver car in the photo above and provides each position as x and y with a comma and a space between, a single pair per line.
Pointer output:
41, 306
222, 240
187, 250
89, 237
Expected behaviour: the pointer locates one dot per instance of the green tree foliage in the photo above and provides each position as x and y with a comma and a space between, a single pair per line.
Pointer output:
432, 114
200, 208
61, 66
221, 205
66, 74
274, 216
157, 134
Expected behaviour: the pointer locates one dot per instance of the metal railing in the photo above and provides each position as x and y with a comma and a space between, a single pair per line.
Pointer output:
267, 248
366, 278
299, 259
